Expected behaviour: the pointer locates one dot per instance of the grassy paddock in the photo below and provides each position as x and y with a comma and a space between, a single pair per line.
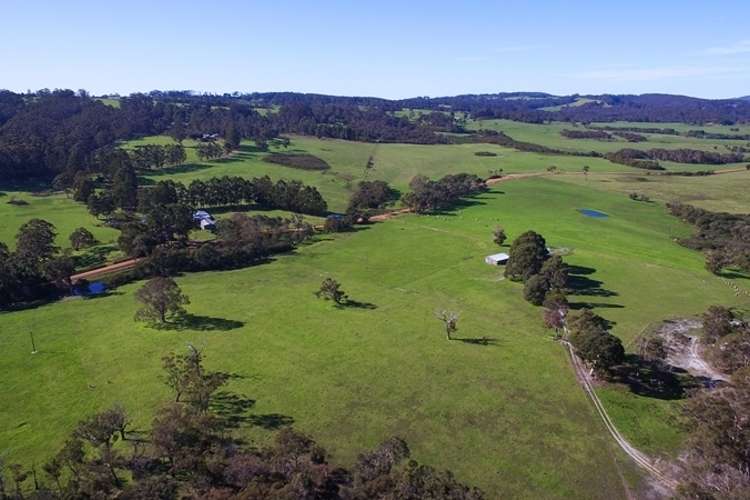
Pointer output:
508, 416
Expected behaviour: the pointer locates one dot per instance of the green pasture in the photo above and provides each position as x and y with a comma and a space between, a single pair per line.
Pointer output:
507, 416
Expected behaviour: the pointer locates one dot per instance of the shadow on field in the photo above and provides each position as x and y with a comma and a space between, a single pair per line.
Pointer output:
201, 323
459, 205
484, 341
185, 168
355, 304
581, 284
233, 412
655, 379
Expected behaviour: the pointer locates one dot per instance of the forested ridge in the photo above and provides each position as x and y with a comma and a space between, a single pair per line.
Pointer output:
60, 133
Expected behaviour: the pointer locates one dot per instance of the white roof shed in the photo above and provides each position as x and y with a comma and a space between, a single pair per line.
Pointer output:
496, 259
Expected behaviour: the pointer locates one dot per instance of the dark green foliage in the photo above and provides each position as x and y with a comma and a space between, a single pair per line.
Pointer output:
371, 194
593, 343
162, 299
154, 156
209, 150
83, 187
300, 161
125, 188
330, 289
555, 272
81, 238
526, 257
35, 243
535, 289
499, 236
725, 237
338, 224
428, 196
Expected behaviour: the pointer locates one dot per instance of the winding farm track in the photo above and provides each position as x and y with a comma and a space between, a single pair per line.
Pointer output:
637, 456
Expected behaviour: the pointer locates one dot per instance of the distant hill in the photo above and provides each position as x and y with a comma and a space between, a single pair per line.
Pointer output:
745, 98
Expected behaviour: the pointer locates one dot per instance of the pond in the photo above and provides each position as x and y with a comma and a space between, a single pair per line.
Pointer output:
593, 213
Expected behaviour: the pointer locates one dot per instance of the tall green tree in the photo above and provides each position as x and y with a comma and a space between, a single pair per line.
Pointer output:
35, 242
526, 256
125, 188
161, 299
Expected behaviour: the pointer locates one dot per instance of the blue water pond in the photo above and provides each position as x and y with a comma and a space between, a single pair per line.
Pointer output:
593, 213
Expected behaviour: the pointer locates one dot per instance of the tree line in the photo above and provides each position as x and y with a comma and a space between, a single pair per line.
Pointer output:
724, 237
428, 196
546, 283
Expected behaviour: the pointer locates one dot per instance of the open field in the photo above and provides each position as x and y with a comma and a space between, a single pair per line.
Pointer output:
394, 163
507, 416
56, 208
549, 135
720, 193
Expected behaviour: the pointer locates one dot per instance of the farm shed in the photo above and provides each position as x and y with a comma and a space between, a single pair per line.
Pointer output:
496, 259
204, 219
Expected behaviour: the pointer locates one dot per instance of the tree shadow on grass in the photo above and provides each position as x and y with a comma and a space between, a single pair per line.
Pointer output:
580, 284
271, 421
233, 411
458, 206
185, 168
231, 408
483, 341
201, 323
655, 379
355, 304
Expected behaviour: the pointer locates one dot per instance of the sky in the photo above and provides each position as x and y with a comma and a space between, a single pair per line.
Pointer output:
392, 49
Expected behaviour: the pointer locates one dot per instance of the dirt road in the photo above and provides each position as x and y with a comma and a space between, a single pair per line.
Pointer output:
638, 457
101, 271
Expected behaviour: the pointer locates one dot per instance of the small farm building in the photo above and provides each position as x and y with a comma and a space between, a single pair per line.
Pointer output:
496, 259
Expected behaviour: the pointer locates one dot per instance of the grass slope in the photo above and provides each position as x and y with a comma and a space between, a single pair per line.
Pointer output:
508, 417
549, 135
394, 163
57, 208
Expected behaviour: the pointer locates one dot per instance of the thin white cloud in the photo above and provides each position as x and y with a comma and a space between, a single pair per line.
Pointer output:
741, 47
652, 74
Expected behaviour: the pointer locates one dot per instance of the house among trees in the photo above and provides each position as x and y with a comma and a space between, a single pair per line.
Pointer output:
204, 220
496, 259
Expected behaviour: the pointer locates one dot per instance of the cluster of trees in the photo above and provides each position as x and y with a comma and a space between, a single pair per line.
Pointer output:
189, 453
632, 136
724, 237
589, 335
154, 156
262, 191
545, 280
427, 195
49, 133
300, 161
37, 269
649, 159
371, 195
599, 135
634, 158
726, 337
210, 150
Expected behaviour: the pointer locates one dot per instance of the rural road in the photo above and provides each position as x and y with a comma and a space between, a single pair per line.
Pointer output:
100, 271
638, 457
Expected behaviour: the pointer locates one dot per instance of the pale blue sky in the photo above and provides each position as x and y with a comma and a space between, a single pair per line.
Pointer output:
384, 48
